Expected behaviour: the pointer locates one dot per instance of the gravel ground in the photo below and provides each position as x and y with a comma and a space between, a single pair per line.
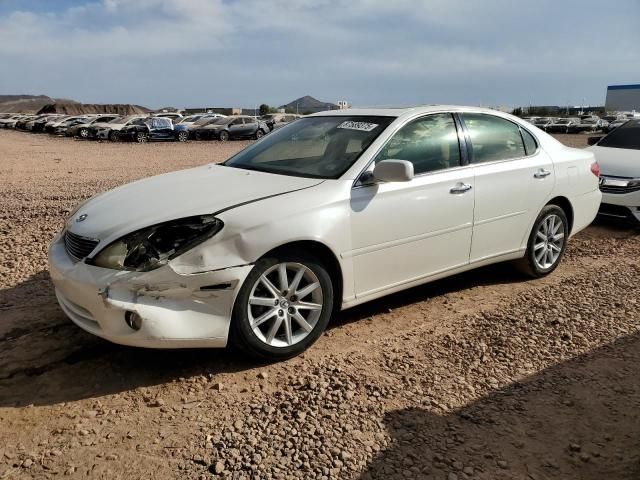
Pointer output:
480, 376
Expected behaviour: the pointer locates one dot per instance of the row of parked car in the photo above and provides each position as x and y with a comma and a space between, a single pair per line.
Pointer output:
144, 128
585, 123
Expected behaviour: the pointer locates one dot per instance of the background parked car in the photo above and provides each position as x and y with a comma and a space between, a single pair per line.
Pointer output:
241, 126
61, 129
38, 125
82, 129
54, 123
543, 122
10, 121
618, 155
563, 125
175, 117
587, 124
111, 130
616, 123
278, 120
152, 128
189, 124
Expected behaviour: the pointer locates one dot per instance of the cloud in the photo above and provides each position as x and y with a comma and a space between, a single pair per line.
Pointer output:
243, 52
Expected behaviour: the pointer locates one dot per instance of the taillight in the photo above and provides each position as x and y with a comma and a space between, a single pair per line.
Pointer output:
595, 169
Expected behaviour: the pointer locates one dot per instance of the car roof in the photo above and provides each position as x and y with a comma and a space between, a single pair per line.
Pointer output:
404, 111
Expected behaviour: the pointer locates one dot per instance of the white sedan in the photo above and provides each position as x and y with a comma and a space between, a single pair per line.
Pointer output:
618, 155
331, 211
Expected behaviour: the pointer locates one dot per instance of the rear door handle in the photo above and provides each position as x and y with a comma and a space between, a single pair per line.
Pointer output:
460, 188
542, 173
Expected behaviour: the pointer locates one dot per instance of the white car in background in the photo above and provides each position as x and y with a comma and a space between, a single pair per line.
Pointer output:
618, 155
331, 211
111, 130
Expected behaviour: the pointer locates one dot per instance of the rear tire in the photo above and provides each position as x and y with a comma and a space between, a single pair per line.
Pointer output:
142, 137
183, 136
281, 317
84, 133
114, 136
547, 243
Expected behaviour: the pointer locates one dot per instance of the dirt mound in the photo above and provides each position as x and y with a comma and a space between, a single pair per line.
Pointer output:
81, 108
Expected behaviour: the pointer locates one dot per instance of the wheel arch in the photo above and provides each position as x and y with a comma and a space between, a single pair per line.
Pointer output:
325, 255
565, 205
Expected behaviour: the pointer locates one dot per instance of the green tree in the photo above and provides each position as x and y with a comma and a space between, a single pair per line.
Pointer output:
264, 109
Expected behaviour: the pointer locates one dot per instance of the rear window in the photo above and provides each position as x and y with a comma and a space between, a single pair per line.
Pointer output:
625, 136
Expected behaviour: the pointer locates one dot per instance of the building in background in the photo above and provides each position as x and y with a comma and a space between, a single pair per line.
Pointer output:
342, 104
623, 98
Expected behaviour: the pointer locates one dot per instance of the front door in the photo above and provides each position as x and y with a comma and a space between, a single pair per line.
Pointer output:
407, 231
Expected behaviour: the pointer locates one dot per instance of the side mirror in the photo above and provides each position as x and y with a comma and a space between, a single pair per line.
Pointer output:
593, 140
393, 171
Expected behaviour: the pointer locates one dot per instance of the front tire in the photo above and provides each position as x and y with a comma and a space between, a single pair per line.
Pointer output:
259, 134
224, 136
84, 133
283, 307
142, 137
114, 136
547, 243
183, 136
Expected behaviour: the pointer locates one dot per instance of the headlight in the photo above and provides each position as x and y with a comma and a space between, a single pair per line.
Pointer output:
154, 246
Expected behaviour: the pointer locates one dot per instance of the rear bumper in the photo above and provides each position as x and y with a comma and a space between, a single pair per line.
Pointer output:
176, 310
585, 209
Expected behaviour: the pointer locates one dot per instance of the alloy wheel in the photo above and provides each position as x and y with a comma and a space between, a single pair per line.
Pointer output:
549, 241
285, 304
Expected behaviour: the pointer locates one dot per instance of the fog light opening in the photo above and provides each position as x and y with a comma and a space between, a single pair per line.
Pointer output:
134, 321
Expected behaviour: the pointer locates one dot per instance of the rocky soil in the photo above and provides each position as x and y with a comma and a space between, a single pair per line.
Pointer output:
484, 375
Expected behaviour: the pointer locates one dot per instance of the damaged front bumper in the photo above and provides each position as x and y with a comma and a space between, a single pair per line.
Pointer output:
176, 311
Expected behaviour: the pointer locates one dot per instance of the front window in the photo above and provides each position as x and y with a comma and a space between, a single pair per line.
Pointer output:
430, 143
625, 136
316, 147
117, 120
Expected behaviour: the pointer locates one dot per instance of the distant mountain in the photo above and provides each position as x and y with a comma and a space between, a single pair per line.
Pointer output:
308, 104
28, 103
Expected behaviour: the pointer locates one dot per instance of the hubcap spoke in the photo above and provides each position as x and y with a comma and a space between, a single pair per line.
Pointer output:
287, 329
308, 306
302, 322
270, 286
297, 278
264, 317
261, 301
274, 329
307, 290
282, 277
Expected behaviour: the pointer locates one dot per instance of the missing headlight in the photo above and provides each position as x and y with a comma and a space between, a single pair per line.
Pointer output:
154, 246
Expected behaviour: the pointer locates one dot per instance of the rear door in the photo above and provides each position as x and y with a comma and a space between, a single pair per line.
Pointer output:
513, 180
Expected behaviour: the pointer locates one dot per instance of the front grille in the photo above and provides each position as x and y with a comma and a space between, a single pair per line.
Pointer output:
619, 190
77, 246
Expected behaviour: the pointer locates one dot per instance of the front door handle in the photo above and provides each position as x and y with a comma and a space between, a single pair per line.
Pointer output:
542, 173
460, 188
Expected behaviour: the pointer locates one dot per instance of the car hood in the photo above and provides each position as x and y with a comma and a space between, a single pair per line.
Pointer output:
617, 162
196, 191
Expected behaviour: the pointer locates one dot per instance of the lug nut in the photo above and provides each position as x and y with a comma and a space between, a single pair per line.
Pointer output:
292, 310
293, 298
280, 313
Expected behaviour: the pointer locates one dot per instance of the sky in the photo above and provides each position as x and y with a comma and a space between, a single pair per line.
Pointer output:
241, 53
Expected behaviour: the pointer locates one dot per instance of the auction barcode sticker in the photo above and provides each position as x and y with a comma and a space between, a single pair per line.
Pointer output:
362, 126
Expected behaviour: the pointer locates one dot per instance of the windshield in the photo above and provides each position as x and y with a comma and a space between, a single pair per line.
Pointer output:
316, 147
117, 120
205, 120
192, 118
625, 136
541, 120
563, 121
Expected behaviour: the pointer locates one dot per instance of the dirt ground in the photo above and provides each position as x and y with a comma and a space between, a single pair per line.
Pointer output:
484, 375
